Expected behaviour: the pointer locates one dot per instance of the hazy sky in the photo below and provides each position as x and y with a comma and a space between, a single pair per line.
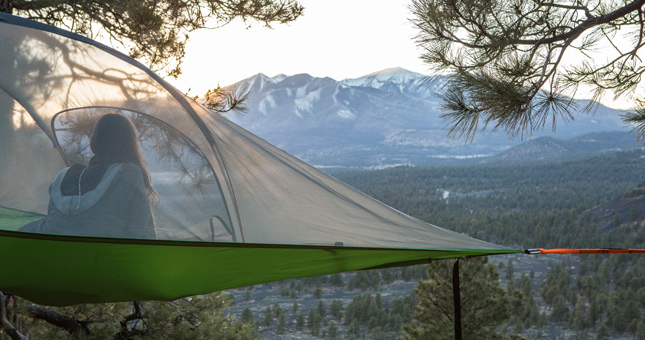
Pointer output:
335, 38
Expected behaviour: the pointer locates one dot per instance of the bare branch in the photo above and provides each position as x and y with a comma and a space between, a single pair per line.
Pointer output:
126, 332
67, 323
586, 24
5, 325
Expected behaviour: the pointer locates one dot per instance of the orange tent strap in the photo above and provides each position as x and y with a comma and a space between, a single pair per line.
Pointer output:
592, 251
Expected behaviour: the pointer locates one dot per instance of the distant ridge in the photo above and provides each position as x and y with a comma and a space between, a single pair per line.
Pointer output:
549, 148
535, 149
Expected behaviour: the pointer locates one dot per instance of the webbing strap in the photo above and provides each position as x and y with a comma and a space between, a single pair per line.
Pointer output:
585, 251
456, 299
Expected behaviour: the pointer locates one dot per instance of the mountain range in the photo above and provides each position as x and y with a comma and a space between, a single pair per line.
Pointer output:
392, 117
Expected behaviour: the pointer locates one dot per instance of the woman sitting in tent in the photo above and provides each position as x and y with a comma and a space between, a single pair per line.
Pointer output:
111, 197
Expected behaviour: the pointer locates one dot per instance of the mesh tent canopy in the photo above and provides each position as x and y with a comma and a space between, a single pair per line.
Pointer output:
233, 209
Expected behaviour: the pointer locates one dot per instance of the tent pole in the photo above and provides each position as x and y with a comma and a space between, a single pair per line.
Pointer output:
457, 299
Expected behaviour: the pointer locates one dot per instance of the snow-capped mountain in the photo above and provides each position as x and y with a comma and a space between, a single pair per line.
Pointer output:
384, 118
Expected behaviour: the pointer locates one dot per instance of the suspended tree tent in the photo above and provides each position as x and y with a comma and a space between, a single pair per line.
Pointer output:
234, 210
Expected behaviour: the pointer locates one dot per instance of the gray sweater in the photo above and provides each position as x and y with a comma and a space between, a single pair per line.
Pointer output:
117, 207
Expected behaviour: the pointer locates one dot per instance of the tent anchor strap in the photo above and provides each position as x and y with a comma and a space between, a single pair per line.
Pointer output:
456, 299
584, 251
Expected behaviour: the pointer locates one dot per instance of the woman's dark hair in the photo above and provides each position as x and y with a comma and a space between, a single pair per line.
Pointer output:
114, 139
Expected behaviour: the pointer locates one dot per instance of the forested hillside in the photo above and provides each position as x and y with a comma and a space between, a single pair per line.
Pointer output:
596, 202
523, 205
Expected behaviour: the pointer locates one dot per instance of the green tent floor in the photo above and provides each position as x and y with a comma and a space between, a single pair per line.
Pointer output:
66, 270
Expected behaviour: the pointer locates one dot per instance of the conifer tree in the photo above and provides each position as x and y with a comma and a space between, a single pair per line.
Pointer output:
336, 280
268, 317
336, 309
247, 316
300, 320
281, 328
603, 332
354, 329
333, 330
321, 309
484, 303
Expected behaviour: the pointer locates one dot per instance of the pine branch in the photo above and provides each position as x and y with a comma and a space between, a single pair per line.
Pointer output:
506, 61
154, 32
636, 120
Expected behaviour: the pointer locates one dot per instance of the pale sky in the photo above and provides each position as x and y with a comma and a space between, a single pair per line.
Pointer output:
334, 38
